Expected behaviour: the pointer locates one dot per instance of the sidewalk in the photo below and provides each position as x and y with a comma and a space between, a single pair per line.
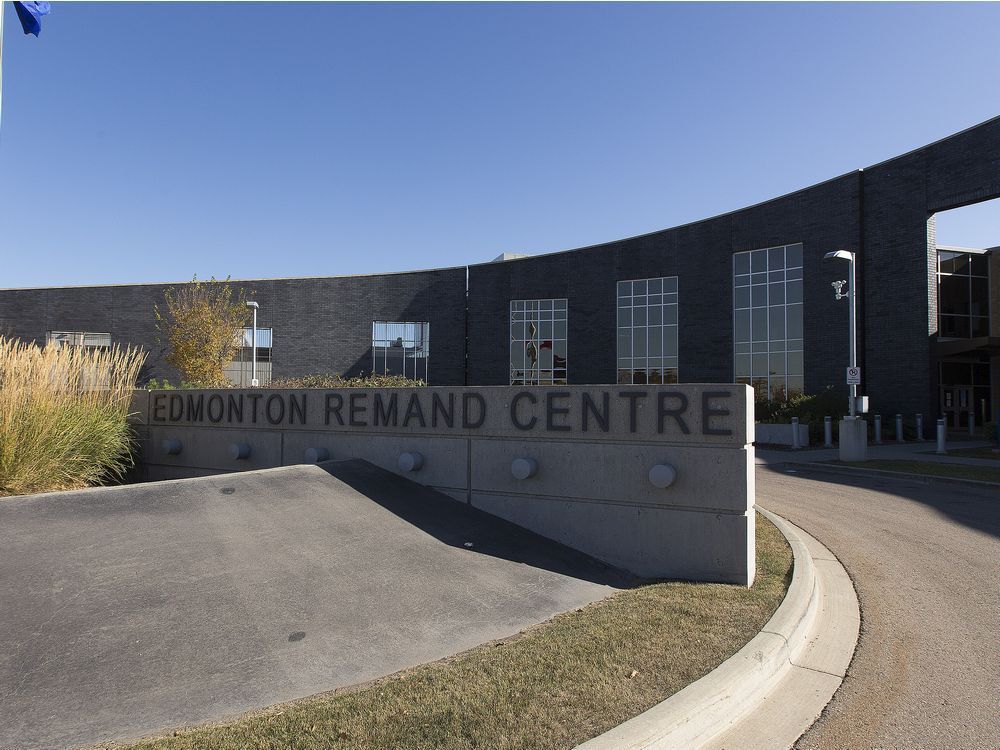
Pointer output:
911, 451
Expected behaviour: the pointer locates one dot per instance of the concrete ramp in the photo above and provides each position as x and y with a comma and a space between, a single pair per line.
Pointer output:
134, 609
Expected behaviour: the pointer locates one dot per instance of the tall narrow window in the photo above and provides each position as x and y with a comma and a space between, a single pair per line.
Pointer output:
767, 320
647, 330
963, 295
538, 342
401, 348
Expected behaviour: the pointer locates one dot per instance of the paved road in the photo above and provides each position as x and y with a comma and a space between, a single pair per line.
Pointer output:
925, 560
128, 610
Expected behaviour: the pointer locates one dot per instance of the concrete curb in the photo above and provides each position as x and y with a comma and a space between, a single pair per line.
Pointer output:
769, 692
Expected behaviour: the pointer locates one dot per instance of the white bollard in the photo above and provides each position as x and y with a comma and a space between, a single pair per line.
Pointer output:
827, 432
972, 423
795, 434
940, 437
920, 427
878, 429
899, 428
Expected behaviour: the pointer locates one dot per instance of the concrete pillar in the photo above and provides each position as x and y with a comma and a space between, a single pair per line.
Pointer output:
795, 433
899, 428
878, 429
940, 437
853, 439
827, 432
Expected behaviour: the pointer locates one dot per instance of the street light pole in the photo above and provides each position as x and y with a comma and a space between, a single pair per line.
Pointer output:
852, 322
253, 343
851, 312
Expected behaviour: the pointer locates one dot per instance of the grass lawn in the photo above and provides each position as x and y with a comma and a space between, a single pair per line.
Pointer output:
989, 453
926, 468
552, 686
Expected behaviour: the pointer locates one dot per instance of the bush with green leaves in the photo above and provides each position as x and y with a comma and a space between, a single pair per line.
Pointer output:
336, 381
301, 382
810, 409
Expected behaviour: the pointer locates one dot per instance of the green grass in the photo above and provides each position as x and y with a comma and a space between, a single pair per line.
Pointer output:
927, 468
990, 453
553, 686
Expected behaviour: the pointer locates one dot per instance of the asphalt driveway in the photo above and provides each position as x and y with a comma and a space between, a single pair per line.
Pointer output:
126, 611
924, 556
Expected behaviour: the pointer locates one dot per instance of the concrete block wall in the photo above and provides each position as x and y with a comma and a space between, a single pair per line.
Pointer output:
901, 196
321, 325
822, 218
593, 447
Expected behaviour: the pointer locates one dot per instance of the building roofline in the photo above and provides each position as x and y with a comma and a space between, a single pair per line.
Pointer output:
686, 224
232, 281
934, 143
553, 252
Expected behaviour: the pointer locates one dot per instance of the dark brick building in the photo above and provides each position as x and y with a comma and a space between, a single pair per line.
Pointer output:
746, 295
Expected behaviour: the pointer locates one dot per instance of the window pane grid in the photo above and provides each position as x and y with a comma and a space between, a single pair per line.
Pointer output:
647, 330
963, 295
84, 339
767, 320
401, 348
538, 342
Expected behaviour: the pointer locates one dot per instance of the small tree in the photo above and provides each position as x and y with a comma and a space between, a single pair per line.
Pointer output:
202, 323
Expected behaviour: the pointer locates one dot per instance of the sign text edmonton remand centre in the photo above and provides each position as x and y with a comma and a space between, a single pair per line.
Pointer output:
548, 410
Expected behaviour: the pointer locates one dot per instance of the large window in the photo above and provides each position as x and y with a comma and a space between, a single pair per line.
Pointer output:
401, 348
647, 330
240, 370
963, 295
767, 320
83, 339
538, 342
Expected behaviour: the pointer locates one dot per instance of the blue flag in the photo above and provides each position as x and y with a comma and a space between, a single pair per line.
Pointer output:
30, 14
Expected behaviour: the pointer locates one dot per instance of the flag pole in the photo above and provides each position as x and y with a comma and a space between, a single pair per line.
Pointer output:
2, 9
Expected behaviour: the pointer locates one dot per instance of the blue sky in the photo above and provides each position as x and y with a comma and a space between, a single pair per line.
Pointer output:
151, 142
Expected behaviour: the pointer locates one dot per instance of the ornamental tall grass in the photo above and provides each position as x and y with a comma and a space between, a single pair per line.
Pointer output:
64, 415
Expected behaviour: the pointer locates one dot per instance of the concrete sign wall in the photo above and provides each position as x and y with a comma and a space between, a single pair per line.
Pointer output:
654, 479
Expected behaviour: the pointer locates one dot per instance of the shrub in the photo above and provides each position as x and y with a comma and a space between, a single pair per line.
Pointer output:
202, 322
64, 415
166, 385
336, 381
809, 409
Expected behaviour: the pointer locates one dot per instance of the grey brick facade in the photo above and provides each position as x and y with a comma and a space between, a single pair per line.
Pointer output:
321, 325
884, 213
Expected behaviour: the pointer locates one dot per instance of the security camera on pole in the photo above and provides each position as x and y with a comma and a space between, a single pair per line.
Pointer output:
853, 430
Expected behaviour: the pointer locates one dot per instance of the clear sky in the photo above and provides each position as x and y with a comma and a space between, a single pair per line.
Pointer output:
151, 142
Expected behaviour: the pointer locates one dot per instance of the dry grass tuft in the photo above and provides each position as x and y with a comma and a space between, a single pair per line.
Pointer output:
63, 415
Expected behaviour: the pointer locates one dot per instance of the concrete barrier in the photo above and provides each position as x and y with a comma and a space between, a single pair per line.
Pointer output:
657, 480
780, 434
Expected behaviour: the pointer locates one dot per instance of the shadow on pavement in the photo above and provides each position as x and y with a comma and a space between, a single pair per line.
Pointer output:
455, 524
975, 507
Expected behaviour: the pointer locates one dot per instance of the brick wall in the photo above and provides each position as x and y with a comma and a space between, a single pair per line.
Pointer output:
321, 325
882, 213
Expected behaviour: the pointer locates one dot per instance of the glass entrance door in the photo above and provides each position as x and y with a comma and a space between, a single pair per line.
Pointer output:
956, 403
965, 391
